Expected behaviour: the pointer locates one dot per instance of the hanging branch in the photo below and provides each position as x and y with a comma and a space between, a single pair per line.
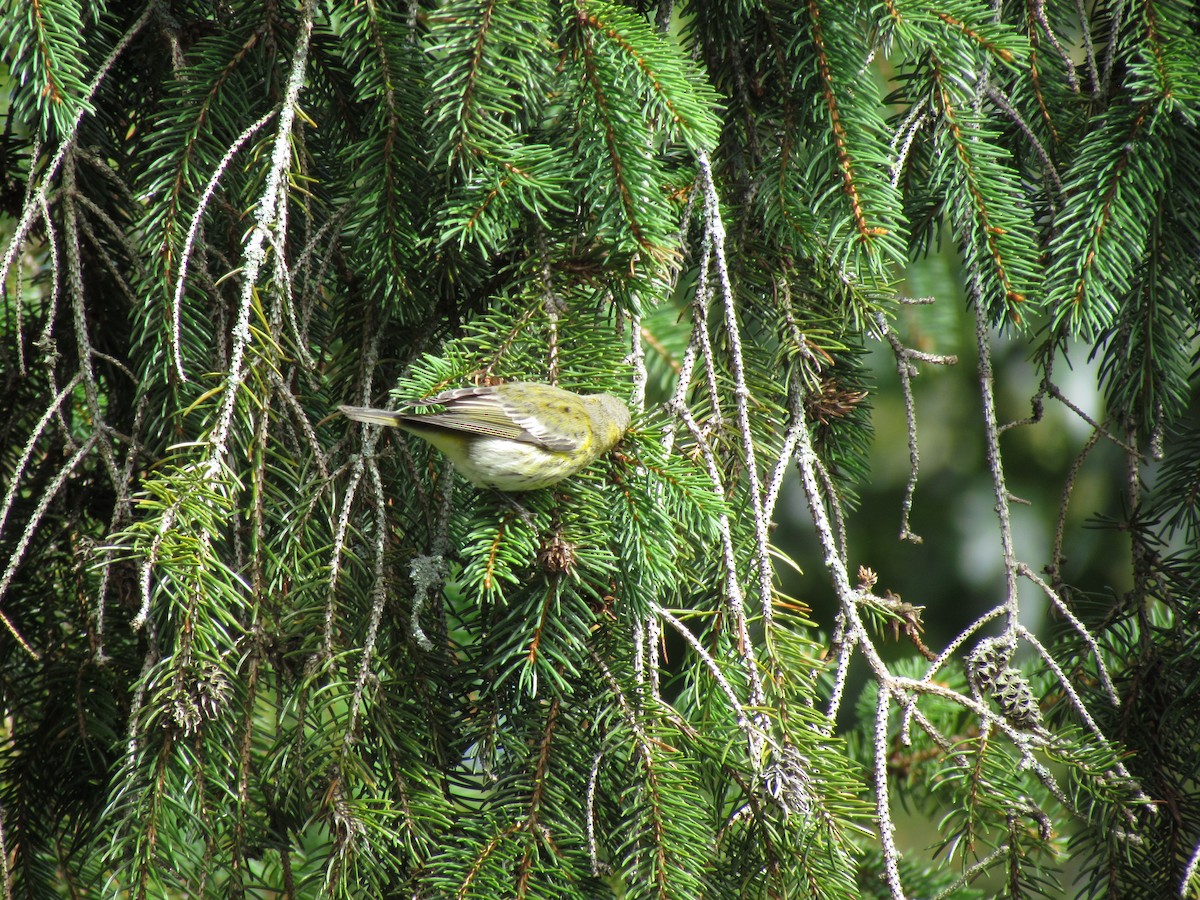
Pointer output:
733, 589
194, 228
270, 216
37, 202
741, 392
267, 217
363, 460
31, 527
378, 599
995, 465
906, 370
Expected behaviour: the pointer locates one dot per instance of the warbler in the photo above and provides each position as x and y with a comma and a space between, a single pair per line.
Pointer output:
519, 436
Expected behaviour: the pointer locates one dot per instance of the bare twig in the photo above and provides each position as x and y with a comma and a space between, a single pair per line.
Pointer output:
378, 600
735, 598
906, 370
997, 96
36, 202
362, 459
883, 813
35, 518
741, 391
995, 464
904, 137
269, 215
1039, 14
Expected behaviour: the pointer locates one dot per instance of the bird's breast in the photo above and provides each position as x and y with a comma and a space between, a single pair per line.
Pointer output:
514, 465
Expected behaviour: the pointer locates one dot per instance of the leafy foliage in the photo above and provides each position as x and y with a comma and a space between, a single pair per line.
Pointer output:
251, 650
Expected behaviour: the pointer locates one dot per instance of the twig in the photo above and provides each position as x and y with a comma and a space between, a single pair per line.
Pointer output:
653, 637
906, 370
82, 338
971, 871
270, 214
1089, 50
1115, 26
18, 300
997, 97
428, 573
883, 813
31, 526
1039, 14
37, 201
1080, 628
754, 736
741, 391
598, 868
1053, 390
363, 458
995, 464
19, 469
378, 600
912, 124
1079, 706
736, 600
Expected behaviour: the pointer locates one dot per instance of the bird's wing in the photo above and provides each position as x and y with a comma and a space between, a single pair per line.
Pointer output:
566, 436
482, 410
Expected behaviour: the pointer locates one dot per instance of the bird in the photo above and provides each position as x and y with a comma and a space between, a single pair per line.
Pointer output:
514, 436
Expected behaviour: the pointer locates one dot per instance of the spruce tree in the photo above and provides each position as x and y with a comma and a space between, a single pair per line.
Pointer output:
251, 649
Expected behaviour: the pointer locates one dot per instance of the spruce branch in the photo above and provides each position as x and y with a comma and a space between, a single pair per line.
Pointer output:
741, 392
1081, 630
1038, 9
637, 359
1085, 35
360, 464
270, 216
997, 97
36, 203
35, 150
905, 136
1081, 710
644, 749
22, 462
46, 341
699, 344
31, 526
598, 868
906, 370
995, 462
653, 639
754, 736
378, 599
883, 807
115, 232
500, 191
841, 140
1101, 431
80, 320
981, 222
185, 254
122, 512
734, 597
1054, 568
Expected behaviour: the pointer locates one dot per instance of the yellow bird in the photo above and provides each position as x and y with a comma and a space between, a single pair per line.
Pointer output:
519, 436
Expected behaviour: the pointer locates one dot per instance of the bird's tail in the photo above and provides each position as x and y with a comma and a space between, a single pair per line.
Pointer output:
371, 416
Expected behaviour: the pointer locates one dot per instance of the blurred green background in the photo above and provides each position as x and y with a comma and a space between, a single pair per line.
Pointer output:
956, 573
